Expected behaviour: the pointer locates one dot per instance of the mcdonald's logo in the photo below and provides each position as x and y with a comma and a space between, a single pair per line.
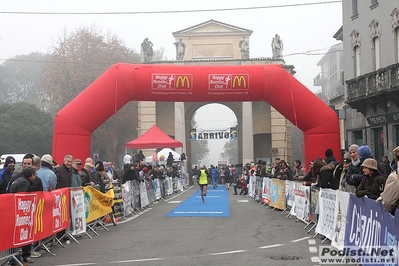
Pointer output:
64, 211
239, 81
183, 81
39, 216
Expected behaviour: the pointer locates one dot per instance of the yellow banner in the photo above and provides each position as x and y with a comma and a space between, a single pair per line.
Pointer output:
97, 203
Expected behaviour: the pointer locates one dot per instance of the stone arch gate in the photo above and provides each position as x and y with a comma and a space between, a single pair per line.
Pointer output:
74, 124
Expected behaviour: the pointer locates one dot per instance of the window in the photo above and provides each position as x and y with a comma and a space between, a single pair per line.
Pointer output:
354, 7
356, 60
376, 53
358, 137
378, 142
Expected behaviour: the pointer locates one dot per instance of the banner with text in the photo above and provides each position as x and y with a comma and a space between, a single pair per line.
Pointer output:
208, 134
325, 225
78, 218
97, 204
29, 217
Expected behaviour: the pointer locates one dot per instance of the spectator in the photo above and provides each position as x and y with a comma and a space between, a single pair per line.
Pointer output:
326, 177
385, 166
140, 157
330, 159
64, 172
340, 173
5, 174
183, 157
373, 183
283, 172
241, 184
99, 178
76, 179
310, 179
127, 158
85, 174
46, 173
170, 159
390, 195
355, 173
299, 171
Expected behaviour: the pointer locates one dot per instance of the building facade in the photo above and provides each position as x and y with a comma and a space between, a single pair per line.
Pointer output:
263, 132
370, 41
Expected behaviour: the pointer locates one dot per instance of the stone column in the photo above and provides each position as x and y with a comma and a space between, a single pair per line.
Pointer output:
180, 127
247, 133
280, 139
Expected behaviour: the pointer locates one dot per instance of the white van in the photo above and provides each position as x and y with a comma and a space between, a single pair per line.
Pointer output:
18, 159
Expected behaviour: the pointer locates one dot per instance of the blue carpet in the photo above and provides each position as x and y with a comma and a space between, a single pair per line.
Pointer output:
216, 205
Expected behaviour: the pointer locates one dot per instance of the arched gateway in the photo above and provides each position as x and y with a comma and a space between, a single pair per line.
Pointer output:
74, 124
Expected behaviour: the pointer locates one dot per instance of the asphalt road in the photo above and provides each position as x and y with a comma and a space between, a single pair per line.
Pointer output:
252, 235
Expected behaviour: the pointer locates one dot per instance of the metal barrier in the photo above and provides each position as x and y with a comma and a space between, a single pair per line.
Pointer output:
6, 255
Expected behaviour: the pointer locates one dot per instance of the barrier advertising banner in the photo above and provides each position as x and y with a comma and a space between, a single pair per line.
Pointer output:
267, 184
301, 206
97, 204
370, 226
314, 202
29, 217
143, 195
78, 218
278, 197
289, 191
327, 199
340, 219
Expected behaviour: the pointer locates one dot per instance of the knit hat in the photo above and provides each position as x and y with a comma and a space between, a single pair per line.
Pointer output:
47, 158
364, 152
100, 166
9, 160
145, 170
370, 163
328, 153
105, 163
353, 147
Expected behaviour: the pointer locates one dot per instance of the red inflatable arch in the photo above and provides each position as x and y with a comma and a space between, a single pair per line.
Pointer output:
122, 83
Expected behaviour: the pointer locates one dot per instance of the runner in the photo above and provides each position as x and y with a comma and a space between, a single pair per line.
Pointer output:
203, 181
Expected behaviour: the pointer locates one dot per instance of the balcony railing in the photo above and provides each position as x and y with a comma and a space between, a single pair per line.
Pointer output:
374, 83
320, 79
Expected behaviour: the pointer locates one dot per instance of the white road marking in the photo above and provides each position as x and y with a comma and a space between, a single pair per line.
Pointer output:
78, 264
313, 249
139, 260
197, 212
300, 239
312, 242
228, 252
272, 246
243, 200
175, 201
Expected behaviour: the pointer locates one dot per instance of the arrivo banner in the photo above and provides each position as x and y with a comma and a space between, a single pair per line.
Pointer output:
206, 134
34, 216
